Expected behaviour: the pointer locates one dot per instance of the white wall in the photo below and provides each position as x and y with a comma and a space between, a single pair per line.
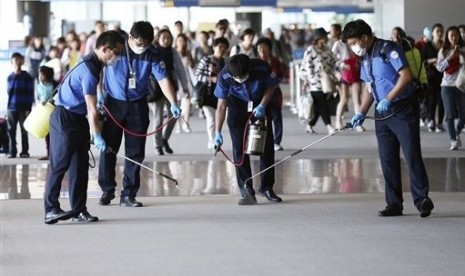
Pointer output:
422, 13
414, 15
388, 14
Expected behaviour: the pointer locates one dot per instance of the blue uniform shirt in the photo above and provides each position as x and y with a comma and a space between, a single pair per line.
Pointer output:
116, 76
380, 69
261, 77
81, 81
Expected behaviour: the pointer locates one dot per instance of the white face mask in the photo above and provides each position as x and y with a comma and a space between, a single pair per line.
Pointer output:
139, 50
359, 51
241, 80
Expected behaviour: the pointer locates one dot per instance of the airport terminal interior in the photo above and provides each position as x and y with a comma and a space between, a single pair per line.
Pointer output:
330, 180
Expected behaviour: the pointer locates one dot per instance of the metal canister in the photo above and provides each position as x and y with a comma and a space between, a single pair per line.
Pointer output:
256, 138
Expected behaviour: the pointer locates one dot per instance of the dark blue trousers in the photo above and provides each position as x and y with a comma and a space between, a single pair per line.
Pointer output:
402, 131
237, 122
15, 117
134, 116
69, 146
276, 107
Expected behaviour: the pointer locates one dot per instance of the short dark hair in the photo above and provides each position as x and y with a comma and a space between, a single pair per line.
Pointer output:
437, 25
16, 55
221, 40
222, 22
238, 65
355, 29
109, 39
142, 30
265, 41
248, 31
47, 71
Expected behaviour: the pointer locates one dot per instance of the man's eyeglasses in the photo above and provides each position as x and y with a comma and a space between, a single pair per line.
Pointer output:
114, 52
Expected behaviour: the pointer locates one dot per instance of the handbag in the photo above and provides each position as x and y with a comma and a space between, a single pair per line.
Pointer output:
328, 82
198, 92
306, 107
460, 81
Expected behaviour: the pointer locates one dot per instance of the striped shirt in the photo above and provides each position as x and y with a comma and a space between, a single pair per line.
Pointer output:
20, 89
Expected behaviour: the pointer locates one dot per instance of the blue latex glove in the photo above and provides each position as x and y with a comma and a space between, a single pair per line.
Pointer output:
357, 119
99, 142
100, 99
175, 110
383, 105
218, 140
259, 111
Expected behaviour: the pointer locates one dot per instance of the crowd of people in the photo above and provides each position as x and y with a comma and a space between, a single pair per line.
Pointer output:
175, 73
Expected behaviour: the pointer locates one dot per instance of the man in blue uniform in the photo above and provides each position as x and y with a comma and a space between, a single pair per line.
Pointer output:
126, 87
70, 131
246, 86
389, 84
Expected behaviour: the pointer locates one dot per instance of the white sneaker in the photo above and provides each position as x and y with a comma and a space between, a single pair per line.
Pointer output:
338, 125
186, 128
277, 147
453, 145
359, 129
310, 130
331, 129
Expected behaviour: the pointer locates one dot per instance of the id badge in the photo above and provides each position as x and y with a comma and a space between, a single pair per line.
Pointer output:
132, 83
249, 106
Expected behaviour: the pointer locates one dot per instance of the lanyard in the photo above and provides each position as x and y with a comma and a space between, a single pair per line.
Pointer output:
131, 71
370, 70
247, 89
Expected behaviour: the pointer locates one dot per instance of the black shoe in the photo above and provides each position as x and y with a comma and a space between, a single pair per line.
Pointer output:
425, 207
167, 147
159, 151
247, 199
106, 198
391, 211
129, 202
271, 196
85, 217
57, 214
24, 155
9, 155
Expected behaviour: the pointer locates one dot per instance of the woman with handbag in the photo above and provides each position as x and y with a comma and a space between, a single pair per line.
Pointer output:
318, 70
450, 58
206, 76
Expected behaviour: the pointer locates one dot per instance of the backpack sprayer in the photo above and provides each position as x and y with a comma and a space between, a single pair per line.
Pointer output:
256, 137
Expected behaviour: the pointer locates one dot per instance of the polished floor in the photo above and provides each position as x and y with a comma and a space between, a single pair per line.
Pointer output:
327, 224
217, 177
346, 162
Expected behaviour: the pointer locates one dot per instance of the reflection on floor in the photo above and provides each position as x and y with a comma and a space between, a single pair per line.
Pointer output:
218, 177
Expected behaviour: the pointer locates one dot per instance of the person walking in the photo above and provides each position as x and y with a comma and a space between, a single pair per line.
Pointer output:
450, 58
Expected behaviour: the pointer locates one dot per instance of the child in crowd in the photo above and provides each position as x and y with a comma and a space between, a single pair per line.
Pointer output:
45, 89
20, 88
